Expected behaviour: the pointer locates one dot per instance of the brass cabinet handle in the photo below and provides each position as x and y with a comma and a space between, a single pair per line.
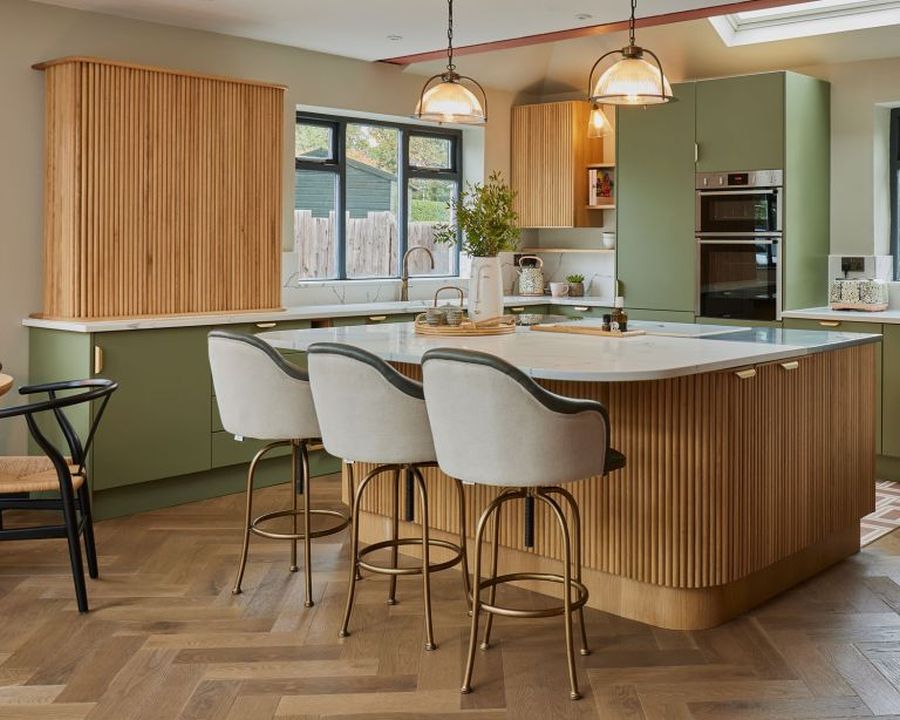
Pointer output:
517, 309
746, 373
581, 308
98, 359
377, 318
266, 325
830, 323
790, 365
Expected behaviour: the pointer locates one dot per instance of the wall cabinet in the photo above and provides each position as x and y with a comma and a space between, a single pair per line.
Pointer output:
550, 152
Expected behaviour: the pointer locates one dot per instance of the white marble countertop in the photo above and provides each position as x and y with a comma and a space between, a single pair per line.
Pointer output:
298, 312
667, 350
887, 317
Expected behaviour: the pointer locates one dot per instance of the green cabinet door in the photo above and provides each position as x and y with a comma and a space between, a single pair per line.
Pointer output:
656, 253
158, 423
740, 123
890, 437
881, 361
660, 315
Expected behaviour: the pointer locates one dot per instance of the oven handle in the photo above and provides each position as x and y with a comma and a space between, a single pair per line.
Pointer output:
743, 191
739, 241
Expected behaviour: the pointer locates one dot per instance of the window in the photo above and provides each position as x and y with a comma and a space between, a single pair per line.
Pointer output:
367, 191
895, 190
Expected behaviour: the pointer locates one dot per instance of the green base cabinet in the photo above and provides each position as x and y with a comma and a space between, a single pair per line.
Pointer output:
890, 438
678, 316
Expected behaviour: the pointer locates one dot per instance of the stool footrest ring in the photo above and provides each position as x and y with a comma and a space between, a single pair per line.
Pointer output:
577, 602
387, 544
256, 530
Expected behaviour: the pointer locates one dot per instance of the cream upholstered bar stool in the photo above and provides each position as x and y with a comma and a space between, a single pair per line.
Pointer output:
369, 412
264, 397
494, 425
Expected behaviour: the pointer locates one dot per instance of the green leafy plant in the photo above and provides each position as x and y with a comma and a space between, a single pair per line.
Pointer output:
576, 278
485, 216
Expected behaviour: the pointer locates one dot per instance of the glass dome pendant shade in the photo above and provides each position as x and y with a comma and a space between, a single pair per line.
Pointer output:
631, 80
449, 100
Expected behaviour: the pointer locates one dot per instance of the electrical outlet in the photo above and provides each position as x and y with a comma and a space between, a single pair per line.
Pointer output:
853, 264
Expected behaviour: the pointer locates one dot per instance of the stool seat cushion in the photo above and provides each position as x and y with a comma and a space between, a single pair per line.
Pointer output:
33, 474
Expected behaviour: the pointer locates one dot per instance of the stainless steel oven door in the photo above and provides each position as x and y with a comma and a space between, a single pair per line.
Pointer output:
739, 278
742, 211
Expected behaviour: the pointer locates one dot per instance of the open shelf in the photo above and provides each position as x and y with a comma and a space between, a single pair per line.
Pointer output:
604, 166
536, 250
601, 207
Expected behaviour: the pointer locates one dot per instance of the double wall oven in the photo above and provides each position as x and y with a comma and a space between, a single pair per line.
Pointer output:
739, 244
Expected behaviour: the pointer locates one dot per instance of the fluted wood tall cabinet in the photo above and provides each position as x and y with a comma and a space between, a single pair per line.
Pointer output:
162, 191
550, 154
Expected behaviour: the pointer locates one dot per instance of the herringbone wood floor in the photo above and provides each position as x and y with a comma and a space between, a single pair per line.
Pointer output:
166, 639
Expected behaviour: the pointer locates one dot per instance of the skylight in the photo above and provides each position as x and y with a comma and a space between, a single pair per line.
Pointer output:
819, 17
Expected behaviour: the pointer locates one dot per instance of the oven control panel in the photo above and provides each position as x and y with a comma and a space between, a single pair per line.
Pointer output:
737, 180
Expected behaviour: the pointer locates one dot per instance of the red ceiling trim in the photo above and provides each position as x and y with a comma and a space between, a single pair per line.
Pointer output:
590, 30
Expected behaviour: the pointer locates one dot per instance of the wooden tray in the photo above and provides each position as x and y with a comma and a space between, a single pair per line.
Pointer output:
586, 330
502, 325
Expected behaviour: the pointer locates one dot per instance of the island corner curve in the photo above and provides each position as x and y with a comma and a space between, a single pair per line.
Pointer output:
750, 461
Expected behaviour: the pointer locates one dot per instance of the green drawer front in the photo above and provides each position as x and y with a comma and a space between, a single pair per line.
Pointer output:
579, 311
883, 424
228, 451
661, 315
740, 323
529, 309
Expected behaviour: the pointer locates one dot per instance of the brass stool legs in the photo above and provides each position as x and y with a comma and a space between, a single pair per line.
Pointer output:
299, 448
569, 583
357, 555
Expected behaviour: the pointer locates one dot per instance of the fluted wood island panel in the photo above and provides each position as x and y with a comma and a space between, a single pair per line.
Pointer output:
162, 191
739, 484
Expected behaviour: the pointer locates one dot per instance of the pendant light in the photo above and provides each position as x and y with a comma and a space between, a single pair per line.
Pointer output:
631, 80
449, 101
598, 123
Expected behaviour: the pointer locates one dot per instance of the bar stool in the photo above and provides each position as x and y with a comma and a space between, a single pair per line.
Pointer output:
262, 396
369, 412
494, 425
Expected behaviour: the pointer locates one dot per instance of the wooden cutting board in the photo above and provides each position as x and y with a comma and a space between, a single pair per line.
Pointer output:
575, 329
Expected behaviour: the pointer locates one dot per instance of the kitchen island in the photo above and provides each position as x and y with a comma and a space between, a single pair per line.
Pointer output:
750, 459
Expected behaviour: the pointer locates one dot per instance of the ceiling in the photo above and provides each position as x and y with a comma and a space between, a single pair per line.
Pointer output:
358, 29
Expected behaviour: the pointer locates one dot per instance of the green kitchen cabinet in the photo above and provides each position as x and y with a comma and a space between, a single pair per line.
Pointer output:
579, 311
679, 316
530, 309
883, 425
158, 423
890, 439
740, 123
738, 323
656, 254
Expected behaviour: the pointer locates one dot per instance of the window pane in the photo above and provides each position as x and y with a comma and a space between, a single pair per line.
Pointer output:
314, 203
429, 207
430, 152
313, 142
372, 182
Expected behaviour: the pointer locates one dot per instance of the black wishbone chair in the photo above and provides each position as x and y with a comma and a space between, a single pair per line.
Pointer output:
22, 476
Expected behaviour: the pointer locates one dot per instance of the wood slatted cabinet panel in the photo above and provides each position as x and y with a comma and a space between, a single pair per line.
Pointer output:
162, 191
550, 153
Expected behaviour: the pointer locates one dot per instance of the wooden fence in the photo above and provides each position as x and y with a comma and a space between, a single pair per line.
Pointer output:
371, 246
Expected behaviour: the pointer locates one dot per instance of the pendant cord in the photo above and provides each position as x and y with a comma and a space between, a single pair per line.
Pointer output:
631, 23
450, 66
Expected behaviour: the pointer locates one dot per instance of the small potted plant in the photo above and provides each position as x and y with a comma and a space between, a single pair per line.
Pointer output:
489, 226
576, 285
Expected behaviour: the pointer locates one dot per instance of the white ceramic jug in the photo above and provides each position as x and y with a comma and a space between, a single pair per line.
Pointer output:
485, 288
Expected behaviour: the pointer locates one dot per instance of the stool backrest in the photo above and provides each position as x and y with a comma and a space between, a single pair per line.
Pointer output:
368, 410
494, 425
259, 393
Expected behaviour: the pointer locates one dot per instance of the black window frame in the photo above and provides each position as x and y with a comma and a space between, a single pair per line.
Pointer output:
406, 172
895, 191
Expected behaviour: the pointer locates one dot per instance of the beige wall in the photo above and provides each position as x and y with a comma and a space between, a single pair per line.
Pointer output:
31, 32
861, 95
